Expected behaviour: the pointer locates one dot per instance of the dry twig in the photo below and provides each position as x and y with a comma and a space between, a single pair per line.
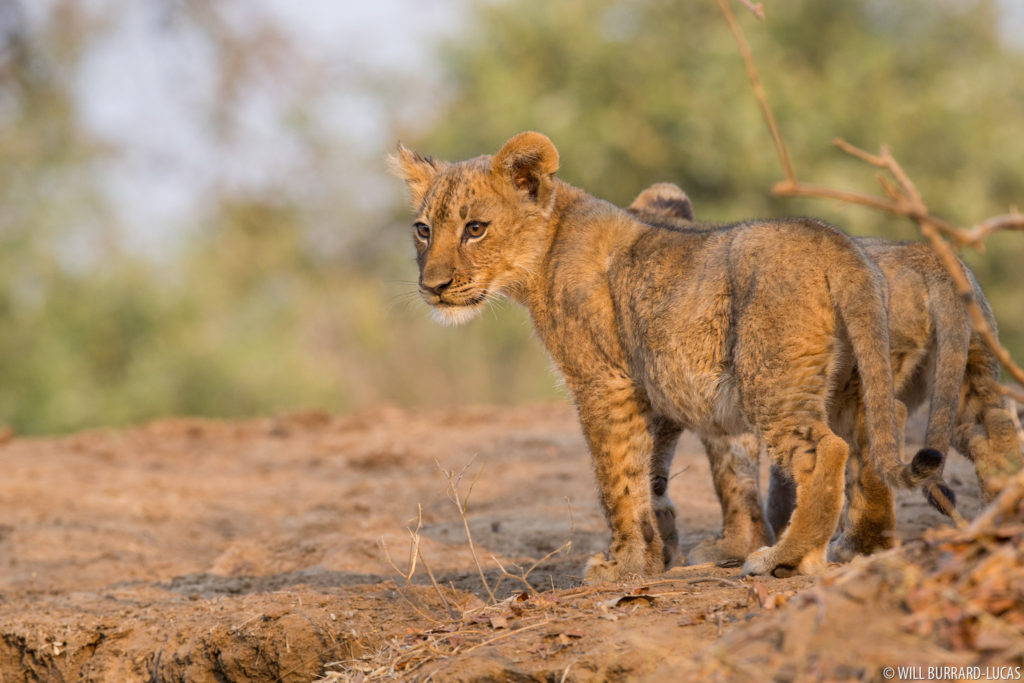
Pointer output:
523, 576
415, 554
454, 480
508, 634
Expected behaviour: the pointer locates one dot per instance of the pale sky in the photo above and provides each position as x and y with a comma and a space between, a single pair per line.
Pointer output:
147, 87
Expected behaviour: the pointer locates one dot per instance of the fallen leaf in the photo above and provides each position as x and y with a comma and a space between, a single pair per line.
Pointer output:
761, 596
693, 620
625, 599
990, 639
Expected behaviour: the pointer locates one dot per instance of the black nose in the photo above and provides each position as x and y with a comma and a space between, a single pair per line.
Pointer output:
436, 288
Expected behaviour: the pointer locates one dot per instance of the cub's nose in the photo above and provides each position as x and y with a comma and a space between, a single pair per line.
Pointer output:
436, 285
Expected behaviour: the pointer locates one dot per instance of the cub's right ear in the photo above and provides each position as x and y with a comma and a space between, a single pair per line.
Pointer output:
417, 171
663, 200
528, 161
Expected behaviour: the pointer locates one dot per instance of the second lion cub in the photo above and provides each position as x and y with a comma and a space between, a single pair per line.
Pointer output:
719, 332
937, 359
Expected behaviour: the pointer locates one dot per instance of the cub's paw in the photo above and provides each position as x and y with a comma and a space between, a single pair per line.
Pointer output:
769, 561
719, 551
848, 545
761, 561
665, 514
600, 569
842, 549
625, 565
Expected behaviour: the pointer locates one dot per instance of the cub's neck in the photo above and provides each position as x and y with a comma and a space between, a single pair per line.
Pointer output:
581, 239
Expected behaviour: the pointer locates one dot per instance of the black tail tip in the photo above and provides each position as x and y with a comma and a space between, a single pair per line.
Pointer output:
942, 506
926, 462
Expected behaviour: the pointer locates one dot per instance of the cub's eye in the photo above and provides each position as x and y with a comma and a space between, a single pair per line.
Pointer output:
476, 229
422, 230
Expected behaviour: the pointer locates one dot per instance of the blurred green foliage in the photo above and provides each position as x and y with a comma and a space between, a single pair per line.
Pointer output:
252, 315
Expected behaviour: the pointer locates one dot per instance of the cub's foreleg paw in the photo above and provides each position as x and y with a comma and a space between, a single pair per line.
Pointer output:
719, 551
600, 569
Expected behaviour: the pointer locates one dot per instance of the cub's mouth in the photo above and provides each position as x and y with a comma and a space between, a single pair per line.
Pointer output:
455, 308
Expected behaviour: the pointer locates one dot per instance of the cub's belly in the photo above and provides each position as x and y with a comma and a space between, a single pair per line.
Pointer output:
704, 400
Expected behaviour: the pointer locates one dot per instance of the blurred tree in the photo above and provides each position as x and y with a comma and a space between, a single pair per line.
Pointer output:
49, 369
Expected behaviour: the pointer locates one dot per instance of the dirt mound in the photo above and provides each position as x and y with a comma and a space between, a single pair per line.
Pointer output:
203, 550
948, 606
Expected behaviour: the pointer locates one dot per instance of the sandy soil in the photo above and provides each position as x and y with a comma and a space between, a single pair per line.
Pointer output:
200, 550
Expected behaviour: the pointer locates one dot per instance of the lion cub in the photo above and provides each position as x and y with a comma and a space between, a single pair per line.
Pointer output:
745, 327
935, 357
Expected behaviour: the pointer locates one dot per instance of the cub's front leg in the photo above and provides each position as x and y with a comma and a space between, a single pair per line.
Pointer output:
620, 434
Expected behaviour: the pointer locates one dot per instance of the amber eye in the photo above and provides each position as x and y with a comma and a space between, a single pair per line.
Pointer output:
422, 231
475, 229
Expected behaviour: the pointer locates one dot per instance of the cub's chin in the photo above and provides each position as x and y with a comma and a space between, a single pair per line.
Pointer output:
451, 316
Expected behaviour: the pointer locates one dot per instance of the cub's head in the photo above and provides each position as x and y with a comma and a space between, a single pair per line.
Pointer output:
663, 204
481, 225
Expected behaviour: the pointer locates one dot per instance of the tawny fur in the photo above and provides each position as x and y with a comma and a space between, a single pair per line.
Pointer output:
935, 357
748, 327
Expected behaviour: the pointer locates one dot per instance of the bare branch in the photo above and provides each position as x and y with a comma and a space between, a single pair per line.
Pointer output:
859, 153
890, 190
759, 92
756, 9
976, 234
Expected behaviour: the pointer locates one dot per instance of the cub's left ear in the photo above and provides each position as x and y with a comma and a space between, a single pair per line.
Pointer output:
663, 200
529, 161
417, 171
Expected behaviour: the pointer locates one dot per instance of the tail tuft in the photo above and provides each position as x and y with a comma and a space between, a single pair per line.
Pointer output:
926, 462
941, 498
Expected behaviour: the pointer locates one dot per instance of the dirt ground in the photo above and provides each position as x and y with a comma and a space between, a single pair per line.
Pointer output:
200, 550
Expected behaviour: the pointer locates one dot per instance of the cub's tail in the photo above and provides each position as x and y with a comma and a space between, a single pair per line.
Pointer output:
952, 338
859, 294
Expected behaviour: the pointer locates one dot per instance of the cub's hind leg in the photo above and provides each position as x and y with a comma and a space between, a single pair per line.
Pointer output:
989, 439
619, 433
870, 513
666, 435
785, 381
985, 432
781, 499
816, 459
734, 470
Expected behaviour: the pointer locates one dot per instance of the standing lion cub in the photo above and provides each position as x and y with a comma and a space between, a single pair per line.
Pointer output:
936, 359
745, 327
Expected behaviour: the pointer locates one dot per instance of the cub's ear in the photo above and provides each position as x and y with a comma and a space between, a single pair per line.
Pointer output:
529, 161
663, 200
417, 171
